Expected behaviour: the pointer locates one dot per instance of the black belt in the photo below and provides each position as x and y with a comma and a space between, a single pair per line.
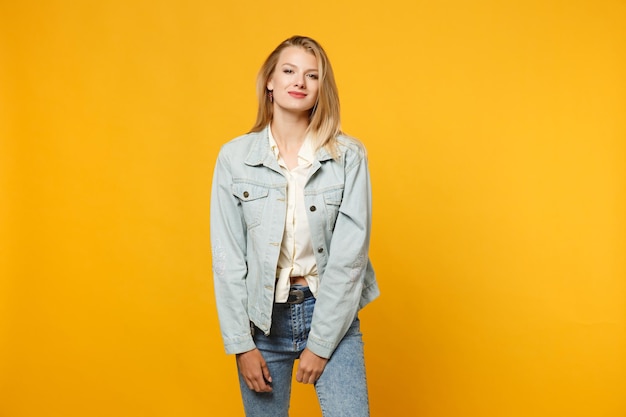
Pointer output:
297, 296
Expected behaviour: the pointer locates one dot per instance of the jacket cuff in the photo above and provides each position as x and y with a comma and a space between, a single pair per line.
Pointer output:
239, 345
320, 347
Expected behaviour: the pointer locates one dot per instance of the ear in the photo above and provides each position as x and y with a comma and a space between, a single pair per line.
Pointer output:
270, 85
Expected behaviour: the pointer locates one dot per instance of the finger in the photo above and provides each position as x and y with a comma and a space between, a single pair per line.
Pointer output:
260, 385
304, 376
266, 372
252, 381
299, 374
249, 383
255, 386
312, 378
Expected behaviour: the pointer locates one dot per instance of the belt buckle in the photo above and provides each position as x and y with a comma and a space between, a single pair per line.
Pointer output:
295, 297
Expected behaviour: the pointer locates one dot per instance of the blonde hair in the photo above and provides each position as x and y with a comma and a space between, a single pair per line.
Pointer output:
324, 120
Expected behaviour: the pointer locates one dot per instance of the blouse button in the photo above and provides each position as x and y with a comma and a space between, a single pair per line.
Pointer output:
312, 208
320, 250
246, 194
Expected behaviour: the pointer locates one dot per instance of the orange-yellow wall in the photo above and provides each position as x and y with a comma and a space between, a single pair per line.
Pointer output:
497, 139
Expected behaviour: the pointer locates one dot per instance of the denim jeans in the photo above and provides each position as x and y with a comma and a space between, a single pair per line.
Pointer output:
341, 389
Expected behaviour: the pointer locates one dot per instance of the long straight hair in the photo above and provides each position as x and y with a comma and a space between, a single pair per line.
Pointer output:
324, 118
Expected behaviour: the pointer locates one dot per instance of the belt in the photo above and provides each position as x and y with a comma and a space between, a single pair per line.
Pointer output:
297, 296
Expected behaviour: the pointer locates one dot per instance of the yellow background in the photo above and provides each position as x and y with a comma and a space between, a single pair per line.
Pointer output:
497, 139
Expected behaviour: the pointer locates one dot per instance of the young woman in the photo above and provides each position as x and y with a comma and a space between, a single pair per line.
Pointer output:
290, 230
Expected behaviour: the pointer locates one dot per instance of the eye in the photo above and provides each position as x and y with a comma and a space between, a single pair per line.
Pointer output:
288, 71
313, 76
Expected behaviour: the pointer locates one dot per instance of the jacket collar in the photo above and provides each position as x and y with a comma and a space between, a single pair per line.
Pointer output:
261, 154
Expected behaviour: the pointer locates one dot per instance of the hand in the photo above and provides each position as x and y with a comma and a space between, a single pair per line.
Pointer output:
310, 367
254, 370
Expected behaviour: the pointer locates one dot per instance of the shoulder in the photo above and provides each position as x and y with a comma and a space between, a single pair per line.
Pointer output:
241, 142
350, 149
241, 146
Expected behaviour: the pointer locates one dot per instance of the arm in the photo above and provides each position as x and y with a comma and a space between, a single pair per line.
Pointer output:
340, 288
228, 241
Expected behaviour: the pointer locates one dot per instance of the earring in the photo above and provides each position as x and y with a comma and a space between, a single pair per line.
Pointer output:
270, 94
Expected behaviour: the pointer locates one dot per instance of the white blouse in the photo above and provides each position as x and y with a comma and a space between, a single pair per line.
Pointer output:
296, 257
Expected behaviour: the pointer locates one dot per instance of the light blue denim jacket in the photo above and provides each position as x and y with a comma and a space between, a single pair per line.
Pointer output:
248, 209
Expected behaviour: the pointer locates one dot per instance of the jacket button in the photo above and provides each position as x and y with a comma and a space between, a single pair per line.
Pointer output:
320, 250
312, 208
246, 194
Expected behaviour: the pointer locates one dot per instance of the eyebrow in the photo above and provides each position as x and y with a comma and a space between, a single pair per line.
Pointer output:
293, 65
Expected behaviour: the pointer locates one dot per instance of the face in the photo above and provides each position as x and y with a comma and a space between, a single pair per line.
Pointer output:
295, 81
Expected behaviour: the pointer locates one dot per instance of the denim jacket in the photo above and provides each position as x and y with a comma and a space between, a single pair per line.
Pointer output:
248, 209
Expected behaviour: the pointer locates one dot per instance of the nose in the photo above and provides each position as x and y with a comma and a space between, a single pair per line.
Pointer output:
300, 82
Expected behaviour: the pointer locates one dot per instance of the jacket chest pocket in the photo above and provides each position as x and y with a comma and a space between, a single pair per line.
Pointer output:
332, 202
253, 199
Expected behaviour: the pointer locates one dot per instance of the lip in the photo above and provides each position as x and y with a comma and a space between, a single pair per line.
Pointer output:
297, 94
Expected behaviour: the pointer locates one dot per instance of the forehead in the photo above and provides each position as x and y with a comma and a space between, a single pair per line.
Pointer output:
297, 56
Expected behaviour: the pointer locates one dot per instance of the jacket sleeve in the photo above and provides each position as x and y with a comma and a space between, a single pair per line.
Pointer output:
228, 244
341, 285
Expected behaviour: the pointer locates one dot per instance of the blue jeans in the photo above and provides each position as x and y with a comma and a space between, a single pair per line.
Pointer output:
341, 389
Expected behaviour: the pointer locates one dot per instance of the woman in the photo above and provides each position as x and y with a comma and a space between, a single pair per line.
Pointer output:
290, 229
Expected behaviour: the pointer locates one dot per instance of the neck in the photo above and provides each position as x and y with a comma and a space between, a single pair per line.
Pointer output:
289, 130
